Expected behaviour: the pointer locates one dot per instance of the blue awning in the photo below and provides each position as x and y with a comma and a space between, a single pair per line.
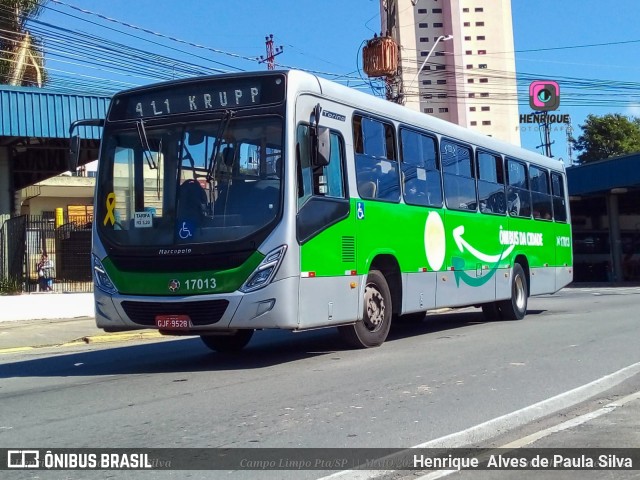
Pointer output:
36, 112
604, 175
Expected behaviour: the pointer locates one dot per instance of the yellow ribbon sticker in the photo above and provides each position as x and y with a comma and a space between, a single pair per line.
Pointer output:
111, 206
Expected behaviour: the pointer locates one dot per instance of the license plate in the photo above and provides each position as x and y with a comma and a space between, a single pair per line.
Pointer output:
173, 322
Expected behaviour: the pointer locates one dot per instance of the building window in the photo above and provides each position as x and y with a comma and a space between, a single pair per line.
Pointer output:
443, 110
423, 25
427, 67
486, 122
437, 10
484, 94
428, 96
424, 39
469, 67
439, 54
424, 54
480, 37
479, 24
482, 52
472, 109
426, 82
465, 10
428, 110
422, 10
485, 109
467, 24
468, 52
472, 95
479, 9
474, 123
442, 95
467, 38
482, 65
437, 25
470, 80
484, 80
440, 67
441, 82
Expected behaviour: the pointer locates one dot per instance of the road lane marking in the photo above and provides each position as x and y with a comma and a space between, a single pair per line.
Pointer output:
534, 437
508, 422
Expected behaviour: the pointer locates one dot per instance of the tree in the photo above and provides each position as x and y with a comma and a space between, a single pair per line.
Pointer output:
607, 136
21, 54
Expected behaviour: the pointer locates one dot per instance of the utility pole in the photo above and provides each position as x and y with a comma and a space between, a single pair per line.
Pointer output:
569, 141
546, 143
271, 52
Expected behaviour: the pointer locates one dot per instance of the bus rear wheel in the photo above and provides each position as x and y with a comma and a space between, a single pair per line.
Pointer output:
515, 308
228, 343
372, 331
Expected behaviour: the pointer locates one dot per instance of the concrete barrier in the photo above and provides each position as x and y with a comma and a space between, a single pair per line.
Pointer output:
37, 306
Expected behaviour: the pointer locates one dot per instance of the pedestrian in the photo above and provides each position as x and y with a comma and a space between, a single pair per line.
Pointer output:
45, 273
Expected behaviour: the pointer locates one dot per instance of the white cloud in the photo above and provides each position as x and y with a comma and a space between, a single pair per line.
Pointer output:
633, 110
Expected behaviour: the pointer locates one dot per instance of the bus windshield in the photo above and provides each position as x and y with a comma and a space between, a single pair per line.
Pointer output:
217, 181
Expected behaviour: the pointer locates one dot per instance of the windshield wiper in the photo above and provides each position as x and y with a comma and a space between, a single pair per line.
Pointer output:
144, 141
222, 129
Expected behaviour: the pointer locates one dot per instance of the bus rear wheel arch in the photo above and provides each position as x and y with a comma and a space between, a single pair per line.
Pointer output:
228, 342
373, 329
515, 308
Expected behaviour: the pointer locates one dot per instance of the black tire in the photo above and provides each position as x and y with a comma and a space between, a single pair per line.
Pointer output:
516, 307
373, 329
491, 311
228, 343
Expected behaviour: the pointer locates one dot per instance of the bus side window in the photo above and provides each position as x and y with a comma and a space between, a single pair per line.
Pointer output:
420, 169
491, 192
377, 172
518, 194
540, 194
459, 181
559, 202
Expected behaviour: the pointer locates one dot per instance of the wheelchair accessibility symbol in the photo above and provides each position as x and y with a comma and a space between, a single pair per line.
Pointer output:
360, 210
185, 231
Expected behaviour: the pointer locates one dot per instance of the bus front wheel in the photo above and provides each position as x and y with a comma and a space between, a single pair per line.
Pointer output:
372, 331
228, 343
516, 307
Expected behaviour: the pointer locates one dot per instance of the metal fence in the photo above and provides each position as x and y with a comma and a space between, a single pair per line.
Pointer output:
24, 239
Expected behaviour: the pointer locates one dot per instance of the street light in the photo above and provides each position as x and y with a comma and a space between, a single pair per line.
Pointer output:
440, 38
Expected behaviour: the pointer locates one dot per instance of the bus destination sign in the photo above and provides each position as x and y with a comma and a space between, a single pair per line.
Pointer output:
197, 98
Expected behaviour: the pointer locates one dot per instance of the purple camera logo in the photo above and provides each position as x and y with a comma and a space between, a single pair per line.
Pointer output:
544, 95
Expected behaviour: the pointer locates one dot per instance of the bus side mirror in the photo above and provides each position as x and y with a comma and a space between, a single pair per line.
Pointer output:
322, 147
74, 153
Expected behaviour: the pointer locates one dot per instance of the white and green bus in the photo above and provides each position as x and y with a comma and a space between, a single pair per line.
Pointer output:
231, 203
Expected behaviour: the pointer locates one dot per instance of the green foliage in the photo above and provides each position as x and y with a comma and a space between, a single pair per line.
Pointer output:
607, 136
10, 286
15, 14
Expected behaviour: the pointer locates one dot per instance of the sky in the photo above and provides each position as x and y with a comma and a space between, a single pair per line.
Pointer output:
591, 48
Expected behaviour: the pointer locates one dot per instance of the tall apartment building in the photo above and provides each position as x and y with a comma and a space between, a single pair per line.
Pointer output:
468, 79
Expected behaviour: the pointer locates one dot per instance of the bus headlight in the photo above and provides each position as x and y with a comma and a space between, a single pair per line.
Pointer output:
264, 272
101, 278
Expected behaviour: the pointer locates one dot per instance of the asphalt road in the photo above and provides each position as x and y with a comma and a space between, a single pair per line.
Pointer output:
447, 374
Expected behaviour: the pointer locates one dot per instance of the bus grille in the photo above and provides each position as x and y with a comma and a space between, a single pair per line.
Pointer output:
201, 313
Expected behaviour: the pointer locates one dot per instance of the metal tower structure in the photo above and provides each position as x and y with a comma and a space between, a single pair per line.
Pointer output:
272, 52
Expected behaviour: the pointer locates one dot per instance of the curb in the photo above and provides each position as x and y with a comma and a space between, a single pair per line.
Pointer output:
95, 339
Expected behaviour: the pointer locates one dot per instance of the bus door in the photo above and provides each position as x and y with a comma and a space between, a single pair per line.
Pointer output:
325, 218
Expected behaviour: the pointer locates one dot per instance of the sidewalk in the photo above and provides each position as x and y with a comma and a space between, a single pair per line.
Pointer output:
53, 319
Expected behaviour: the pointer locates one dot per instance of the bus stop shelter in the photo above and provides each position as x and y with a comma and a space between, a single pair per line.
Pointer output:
34, 136
605, 209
